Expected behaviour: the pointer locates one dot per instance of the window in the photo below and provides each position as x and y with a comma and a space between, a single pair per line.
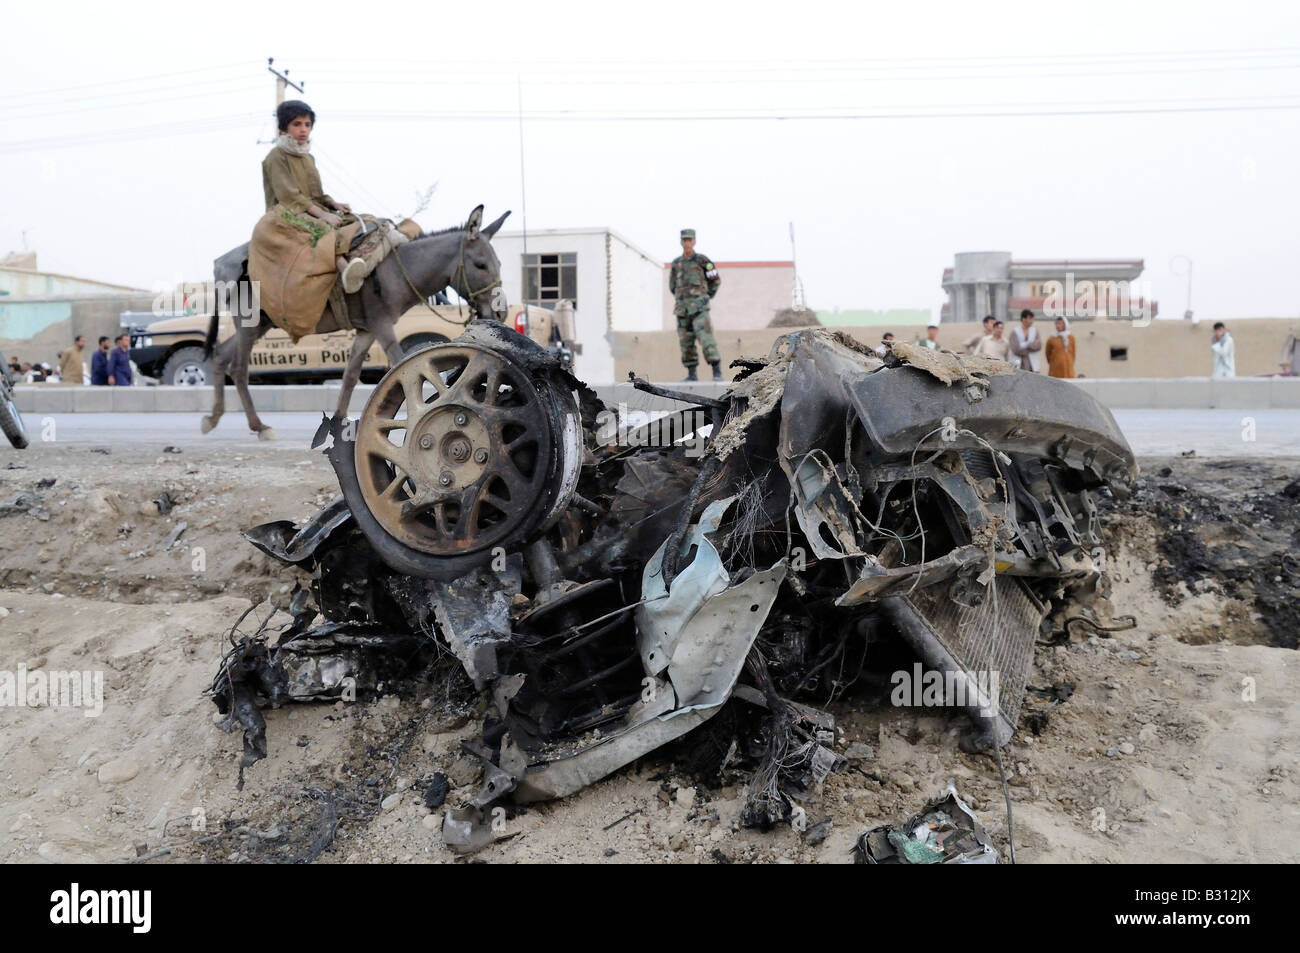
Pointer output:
1119, 354
551, 277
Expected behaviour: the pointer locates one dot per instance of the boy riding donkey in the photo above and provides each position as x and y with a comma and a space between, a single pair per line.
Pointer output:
307, 277
301, 250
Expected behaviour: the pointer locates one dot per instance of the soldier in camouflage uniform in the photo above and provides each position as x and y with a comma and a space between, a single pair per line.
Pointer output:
693, 280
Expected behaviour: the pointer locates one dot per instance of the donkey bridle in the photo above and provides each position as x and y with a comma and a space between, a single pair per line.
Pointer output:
460, 272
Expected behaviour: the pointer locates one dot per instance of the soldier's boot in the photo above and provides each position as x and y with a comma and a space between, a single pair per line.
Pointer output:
690, 374
717, 370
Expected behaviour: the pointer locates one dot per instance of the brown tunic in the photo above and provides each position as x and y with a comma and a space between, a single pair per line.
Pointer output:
71, 370
293, 182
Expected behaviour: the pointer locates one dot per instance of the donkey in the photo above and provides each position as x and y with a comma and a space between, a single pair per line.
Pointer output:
461, 256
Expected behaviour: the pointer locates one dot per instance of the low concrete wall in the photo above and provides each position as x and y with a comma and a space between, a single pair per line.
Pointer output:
1189, 393
1161, 349
58, 399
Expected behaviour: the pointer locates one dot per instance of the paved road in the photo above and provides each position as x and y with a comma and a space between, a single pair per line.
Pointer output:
1211, 433
155, 431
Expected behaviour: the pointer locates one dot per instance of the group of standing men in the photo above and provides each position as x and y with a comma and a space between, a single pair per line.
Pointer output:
108, 365
1025, 347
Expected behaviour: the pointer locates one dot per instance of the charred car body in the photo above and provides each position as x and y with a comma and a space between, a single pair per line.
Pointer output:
609, 598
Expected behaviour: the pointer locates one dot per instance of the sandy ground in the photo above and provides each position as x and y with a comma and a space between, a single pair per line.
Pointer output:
1177, 743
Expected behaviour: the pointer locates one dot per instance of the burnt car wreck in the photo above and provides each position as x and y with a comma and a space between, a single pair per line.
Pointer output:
608, 596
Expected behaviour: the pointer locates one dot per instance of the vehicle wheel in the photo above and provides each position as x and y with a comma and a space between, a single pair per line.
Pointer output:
187, 368
460, 450
11, 422
417, 341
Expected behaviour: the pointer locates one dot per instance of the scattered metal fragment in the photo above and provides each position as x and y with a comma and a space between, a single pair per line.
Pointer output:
175, 534
818, 832
435, 795
945, 831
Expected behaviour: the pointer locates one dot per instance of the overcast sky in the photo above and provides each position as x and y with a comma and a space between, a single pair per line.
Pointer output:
131, 135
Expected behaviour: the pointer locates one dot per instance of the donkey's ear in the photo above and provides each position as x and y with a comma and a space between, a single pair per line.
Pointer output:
472, 223
492, 229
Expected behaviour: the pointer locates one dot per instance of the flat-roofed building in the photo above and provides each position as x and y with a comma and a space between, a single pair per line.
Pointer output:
992, 282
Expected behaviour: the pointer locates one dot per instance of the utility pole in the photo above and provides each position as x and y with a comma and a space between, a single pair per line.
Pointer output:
523, 193
282, 81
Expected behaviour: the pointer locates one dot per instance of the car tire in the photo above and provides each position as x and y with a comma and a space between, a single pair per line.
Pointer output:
416, 341
187, 367
11, 422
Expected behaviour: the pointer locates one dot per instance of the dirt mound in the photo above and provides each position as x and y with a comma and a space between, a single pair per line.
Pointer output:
163, 529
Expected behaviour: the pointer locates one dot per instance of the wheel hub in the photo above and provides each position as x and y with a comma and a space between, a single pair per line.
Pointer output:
453, 445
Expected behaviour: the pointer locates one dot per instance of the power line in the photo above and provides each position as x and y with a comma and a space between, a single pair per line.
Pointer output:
119, 82
370, 116
131, 134
351, 182
738, 79
196, 126
922, 62
98, 107
817, 111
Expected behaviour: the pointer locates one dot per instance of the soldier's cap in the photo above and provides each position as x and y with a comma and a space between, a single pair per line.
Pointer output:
688, 233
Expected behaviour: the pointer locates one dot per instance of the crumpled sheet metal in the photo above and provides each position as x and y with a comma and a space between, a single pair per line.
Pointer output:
563, 770
560, 778
701, 630
321, 664
1022, 413
814, 438
296, 545
944, 831
877, 581
823, 508
660, 619
693, 643
473, 613
469, 828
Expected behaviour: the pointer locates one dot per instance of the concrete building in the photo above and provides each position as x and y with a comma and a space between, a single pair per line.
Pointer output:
991, 282
41, 312
614, 285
